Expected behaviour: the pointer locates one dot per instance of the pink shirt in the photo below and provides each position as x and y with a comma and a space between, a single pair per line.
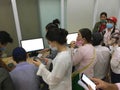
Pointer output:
82, 57
108, 34
118, 85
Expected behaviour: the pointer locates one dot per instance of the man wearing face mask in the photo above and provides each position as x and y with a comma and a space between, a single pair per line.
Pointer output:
5, 79
110, 29
101, 25
5, 38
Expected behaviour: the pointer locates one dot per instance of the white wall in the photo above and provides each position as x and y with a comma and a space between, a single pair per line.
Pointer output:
80, 13
110, 6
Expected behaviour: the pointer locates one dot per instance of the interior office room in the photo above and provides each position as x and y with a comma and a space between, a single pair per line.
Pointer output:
27, 19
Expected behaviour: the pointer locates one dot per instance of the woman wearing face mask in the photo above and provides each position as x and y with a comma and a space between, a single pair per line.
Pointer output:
115, 66
83, 54
54, 24
60, 76
110, 29
115, 59
52, 51
77, 43
114, 41
84, 58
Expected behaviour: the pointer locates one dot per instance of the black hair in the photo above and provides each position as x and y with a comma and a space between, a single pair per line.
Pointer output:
103, 13
54, 24
19, 54
113, 31
97, 38
56, 21
5, 38
58, 35
86, 33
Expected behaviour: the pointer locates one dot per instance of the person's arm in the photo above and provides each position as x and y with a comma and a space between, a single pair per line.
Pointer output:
7, 83
104, 85
115, 61
49, 63
52, 54
118, 85
77, 56
112, 87
95, 29
2, 64
57, 74
89, 87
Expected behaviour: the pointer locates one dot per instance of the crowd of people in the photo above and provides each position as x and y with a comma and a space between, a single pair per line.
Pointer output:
94, 53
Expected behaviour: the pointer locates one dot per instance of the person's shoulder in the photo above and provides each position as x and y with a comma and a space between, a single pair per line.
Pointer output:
118, 49
82, 48
118, 86
97, 23
117, 30
3, 72
28, 66
63, 53
32, 66
105, 48
87, 46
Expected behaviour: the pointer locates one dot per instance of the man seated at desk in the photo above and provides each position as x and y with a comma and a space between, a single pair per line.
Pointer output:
24, 74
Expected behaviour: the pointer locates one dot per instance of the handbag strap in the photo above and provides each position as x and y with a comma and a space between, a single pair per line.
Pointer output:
84, 68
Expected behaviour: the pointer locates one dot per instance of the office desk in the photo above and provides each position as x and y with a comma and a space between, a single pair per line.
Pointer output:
9, 60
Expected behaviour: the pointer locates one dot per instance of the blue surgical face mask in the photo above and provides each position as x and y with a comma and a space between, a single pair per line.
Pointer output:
2, 49
52, 48
109, 25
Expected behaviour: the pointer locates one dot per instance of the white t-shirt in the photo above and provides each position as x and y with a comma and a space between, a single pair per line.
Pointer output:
115, 61
102, 64
60, 77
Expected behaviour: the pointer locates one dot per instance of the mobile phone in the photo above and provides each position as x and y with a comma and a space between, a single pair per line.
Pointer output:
37, 58
39, 55
87, 81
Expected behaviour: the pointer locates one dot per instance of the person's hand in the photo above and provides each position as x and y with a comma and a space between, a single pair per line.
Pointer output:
104, 85
36, 62
72, 44
44, 50
100, 84
89, 87
45, 60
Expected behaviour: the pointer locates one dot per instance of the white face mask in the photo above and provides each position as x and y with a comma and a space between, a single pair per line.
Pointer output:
53, 48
